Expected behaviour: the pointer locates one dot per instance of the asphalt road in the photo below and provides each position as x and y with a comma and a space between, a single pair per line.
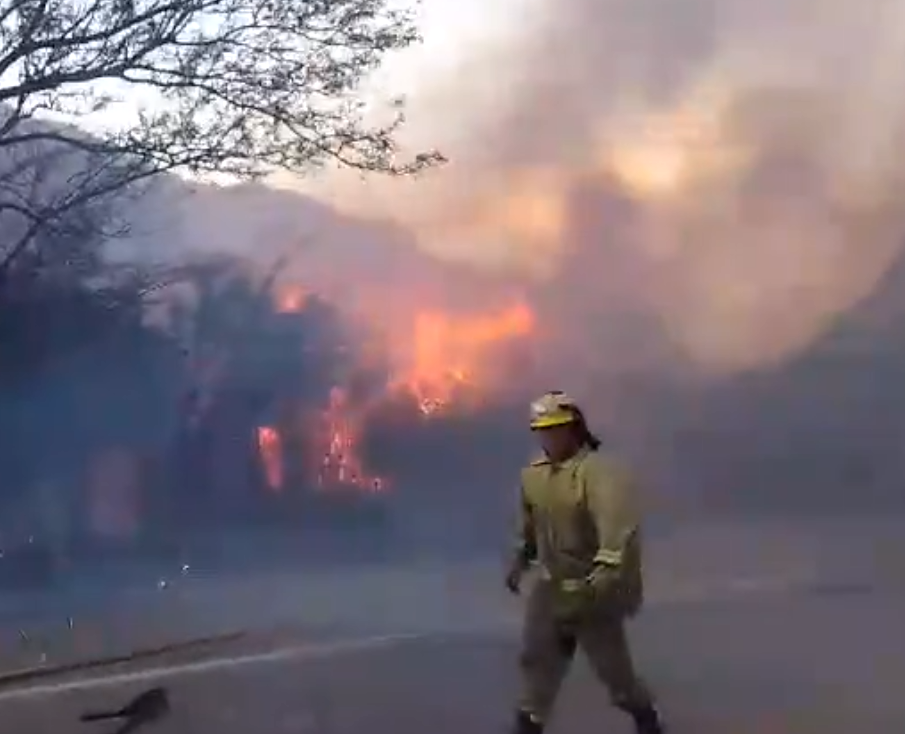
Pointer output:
811, 660
779, 630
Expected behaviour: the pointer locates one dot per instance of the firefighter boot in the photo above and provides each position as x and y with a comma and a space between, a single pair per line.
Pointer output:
647, 720
525, 723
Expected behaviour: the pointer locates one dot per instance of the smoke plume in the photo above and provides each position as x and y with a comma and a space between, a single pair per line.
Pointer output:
698, 186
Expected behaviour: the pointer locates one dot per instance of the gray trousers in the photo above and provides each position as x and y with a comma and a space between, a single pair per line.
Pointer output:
548, 648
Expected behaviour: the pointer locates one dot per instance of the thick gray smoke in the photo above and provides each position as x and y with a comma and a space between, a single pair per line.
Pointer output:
698, 185
683, 191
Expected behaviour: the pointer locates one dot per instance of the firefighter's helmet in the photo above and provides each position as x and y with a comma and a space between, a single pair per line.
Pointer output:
554, 408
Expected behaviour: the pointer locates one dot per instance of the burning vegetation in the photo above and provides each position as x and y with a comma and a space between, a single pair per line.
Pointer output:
440, 364
245, 403
666, 228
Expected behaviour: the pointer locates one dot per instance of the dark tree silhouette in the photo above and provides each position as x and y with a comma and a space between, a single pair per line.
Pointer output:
237, 87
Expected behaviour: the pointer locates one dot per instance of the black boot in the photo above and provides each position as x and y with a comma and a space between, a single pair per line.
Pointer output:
647, 720
526, 724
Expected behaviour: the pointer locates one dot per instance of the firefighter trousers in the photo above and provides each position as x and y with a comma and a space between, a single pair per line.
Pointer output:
548, 648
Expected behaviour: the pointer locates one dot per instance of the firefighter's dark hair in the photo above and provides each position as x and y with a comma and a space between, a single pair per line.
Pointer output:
587, 438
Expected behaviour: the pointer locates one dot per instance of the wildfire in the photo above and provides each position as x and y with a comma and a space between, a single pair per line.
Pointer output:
441, 361
341, 429
449, 354
290, 299
270, 448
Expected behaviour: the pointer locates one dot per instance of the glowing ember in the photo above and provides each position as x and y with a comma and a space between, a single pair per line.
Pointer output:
270, 447
291, 299
341, 429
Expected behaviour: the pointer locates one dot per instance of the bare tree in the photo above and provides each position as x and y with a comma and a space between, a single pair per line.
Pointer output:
239, 87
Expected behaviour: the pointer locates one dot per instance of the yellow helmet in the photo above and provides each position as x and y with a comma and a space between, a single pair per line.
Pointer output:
554, 408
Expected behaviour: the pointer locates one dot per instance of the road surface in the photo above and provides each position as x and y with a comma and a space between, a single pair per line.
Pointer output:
778, 630
810, 660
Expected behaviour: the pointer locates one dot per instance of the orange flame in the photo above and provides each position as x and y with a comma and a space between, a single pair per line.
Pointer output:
449, 355
443, 361
270, 448
341, 429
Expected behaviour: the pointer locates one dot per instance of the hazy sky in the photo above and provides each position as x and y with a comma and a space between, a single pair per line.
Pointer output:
450, 28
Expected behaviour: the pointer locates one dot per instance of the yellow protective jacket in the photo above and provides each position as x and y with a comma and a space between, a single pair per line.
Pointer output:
579, 521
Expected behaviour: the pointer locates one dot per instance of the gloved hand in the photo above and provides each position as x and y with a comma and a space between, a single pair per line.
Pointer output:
514, 578
603, 581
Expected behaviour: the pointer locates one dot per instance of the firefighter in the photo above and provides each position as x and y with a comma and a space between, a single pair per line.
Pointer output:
579, 527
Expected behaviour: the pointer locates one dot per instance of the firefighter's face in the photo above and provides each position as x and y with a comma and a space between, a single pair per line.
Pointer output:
558, 442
